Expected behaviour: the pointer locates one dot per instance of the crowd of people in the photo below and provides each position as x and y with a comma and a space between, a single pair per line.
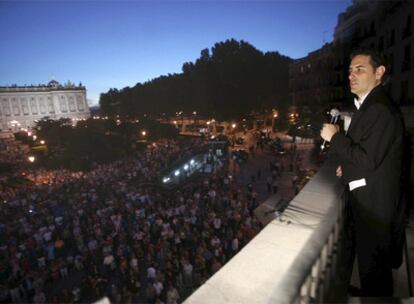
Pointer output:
79, 236
12, 151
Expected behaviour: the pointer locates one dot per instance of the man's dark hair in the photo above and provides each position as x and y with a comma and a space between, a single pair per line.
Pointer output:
376, 59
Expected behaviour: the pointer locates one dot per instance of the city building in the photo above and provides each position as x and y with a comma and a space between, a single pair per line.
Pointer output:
22, 106
320, 80
388, 27
312, 80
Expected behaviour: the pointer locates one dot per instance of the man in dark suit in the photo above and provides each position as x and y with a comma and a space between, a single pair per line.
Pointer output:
370, 155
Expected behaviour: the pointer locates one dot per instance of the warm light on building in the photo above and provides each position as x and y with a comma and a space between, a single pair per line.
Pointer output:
31, 159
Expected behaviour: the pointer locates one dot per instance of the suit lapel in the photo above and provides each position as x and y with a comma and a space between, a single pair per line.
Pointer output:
359, 113
355, 119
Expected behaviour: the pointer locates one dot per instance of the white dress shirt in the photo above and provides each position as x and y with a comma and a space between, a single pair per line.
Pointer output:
359, 182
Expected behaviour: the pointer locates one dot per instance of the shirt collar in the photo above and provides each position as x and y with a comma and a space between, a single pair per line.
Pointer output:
358, 101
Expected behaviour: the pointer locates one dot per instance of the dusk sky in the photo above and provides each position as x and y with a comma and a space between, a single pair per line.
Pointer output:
114, 44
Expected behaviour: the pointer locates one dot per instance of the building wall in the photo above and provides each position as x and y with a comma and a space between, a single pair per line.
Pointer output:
321, 78
388, 27
312, 79
20, 107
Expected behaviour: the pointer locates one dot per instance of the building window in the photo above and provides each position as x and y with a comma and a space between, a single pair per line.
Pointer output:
71, 102
381, 43
407, 29
391, 63
16, 108
372, 29
406, 64
6, 106
33, 105
50, 106
25, 106
404, 92
63, 106
42, 106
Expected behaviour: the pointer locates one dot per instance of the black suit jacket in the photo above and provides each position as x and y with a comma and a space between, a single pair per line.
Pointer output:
372, 149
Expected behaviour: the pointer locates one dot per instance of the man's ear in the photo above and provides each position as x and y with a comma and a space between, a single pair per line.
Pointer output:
379, 72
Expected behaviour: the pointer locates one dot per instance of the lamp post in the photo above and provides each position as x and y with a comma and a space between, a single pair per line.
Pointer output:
274, 117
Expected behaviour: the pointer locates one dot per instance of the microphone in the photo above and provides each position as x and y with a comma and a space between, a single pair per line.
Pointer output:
334, 118
269, 212
275, 211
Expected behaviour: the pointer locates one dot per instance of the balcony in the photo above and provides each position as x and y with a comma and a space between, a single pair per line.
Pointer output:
296, 257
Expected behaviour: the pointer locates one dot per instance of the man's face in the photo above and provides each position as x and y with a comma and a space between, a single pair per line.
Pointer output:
362, 76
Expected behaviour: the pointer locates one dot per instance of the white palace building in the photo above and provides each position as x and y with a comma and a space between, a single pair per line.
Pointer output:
22, 106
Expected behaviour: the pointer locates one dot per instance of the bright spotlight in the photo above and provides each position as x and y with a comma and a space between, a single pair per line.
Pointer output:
177, 172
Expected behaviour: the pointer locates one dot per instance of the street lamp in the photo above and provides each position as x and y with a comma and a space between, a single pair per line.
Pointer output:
42, 142
144, 133
274, 116
31, 159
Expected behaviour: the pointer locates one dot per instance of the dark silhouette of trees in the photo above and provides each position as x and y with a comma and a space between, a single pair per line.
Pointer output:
94, 141
230, 81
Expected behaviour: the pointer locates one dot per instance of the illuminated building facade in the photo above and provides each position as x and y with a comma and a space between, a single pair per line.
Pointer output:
22, 106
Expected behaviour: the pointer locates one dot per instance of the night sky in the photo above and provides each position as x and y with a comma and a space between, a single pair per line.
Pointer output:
113, 44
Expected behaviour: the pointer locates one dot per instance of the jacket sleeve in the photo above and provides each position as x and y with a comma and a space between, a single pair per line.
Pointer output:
366, 149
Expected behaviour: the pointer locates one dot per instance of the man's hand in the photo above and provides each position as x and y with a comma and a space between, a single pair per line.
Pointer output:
339, 171
329, 130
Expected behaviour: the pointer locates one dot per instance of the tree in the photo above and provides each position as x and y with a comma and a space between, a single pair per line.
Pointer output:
230, 81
